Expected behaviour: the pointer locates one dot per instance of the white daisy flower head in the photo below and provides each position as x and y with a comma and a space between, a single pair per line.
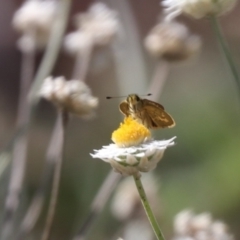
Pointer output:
99, 22
134, 159
35, 17
197, 8
73, 96
172, 42
187, 225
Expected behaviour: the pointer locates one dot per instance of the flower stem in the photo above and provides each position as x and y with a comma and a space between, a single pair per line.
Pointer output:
223, 44
19, 147
56, 178
159, 79
82, 64
35, 208
147, 208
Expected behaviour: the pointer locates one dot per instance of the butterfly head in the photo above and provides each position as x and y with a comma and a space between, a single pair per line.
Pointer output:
133, 99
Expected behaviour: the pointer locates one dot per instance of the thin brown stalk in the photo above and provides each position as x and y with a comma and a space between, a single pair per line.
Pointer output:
56, 177
20, 146
158, 80
98, 203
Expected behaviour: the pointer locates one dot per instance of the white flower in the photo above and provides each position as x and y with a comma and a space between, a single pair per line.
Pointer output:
77, 41
138, 228
34, 14
100, 22
172, 42
201, 222
35, 17
197, 8
188, 226
182, 222
98, 27
131, 160
73, 96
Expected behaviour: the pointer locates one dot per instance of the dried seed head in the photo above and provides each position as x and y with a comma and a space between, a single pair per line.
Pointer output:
197, 8
100, 22
34, 20
188, 226
73, 96
172, 42
97, 27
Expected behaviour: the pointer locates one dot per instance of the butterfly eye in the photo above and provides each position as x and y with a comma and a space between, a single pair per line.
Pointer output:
137, 98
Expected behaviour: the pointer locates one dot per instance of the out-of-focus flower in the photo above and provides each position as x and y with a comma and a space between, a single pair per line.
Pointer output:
98, 26
73, 96
172, 42
77, 41
126, 203
34, 20
130, 160
100, 22
139, 229
188, 226
197, 8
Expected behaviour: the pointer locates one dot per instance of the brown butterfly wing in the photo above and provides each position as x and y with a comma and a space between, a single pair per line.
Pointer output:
152, 103
124, 108
158, 117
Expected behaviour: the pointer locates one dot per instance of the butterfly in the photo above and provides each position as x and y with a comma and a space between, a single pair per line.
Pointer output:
146, 112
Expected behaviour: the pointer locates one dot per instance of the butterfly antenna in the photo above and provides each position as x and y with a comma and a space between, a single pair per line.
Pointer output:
109, 97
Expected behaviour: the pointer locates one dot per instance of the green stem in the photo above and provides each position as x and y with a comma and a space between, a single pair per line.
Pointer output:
147, 208
223, 44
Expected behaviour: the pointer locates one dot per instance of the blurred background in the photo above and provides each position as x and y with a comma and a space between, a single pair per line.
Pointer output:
201, 172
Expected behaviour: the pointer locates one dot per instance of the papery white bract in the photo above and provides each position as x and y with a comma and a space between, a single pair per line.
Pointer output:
135, 159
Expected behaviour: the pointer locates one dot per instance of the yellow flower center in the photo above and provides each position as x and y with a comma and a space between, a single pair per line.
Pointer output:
130, 133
